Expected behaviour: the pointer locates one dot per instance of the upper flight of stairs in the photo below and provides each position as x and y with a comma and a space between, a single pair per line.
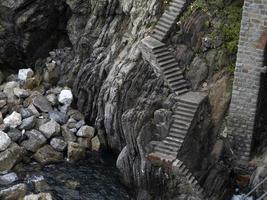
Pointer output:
168, 65
168, 19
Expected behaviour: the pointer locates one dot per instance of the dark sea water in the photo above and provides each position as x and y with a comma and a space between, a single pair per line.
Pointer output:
95, 178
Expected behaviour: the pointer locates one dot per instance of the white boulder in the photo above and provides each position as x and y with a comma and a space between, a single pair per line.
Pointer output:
65, 97
13, 120
25, 74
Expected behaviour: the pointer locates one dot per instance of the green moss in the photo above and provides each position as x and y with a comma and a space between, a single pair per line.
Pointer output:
2, 29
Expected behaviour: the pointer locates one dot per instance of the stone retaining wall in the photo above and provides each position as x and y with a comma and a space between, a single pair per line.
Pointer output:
249, 66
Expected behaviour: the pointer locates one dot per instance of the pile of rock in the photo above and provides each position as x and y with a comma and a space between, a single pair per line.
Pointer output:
39, 123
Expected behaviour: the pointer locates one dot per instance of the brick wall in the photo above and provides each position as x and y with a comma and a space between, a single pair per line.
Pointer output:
250, 61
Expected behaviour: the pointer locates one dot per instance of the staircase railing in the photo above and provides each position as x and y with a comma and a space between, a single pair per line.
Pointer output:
255, 188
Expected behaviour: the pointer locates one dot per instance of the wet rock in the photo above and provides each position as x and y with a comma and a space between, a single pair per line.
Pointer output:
75, 151
41, 103
58, 144
8, 178
85, 142
10, 157
14, 134
65, 97
5, 141
15, 192
95, 144
47, 155
28, 123
35, 140
50, 128
21, 93
68, 135
41, 196
25, 74
59, 117
86, 131
13, 120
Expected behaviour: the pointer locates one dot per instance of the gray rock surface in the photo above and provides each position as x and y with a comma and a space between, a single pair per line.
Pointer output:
58, 144
9, 178
14, 193
35, 140
28, 123
5, 141
57, 116
50, 128
25, 74
42, 103
86, 131
13, 120
47, 155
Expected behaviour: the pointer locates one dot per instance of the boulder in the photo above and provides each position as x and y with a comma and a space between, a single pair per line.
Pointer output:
58, 144
84, 142
40, 196
86, 131
79, 124
35, 140
25, 112
14, 134
5, 141
8, 178
59, 117
41, 103
65, 97
10, 157
75, 151
52, 98
25, 74
15, 192
13, 120
3, 102
68, 135
47, 155
9, 90
95, 144
33, 109
21, 93
50, 128
28, 123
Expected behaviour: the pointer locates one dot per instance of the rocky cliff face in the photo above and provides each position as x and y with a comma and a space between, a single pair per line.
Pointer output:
117, 91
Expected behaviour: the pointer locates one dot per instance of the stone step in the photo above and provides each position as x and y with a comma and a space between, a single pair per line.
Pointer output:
179, 1
161, 28
158, 37
166, 24
192, 107
167, 146
184, 113
169, 66
174, 78
165, 151
173, 75
172, 143
188, 102
180, 87
182, 91
164, 58
159, 50
176, 140
177, 5
159, 32
178, 82
183, 118
181, 127
166, 21
162, 54
184, 109
169, 17
181, 123
178, 132
170, 71
166, 62
170, 11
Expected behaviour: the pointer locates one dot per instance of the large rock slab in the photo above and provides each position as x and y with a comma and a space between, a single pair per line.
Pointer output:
50, 128
10, 157
47, 155
5, 141
35, 140
15, 192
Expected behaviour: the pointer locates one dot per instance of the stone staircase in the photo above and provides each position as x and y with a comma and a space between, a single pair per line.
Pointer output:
168, 19
164, 61
184, 115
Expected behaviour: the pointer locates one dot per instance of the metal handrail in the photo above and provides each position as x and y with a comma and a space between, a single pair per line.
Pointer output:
256, 187
262, 196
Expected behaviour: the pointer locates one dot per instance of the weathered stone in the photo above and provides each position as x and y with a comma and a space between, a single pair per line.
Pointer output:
50, 128
5, 141
9, 90
41, 196
28, 123
21, 93
8, 178
52, 98
47, 155
85, 142
95, 144
25, 112
25, 74
42, 103
79, 124
75, 114
14, 134
68, 135
35, 140
75, 151
58, 144
86, 131
10, 157
13, 120
59, 117
33, 109
65, 97
3, 102
15, 192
